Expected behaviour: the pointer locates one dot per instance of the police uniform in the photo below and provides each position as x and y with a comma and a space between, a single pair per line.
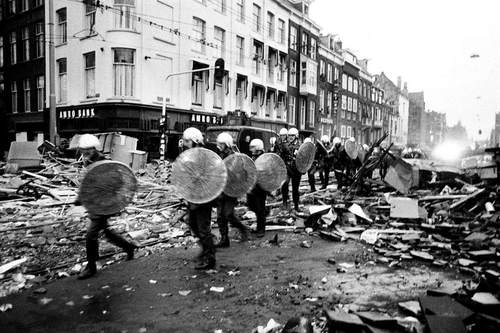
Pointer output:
256, 201
287, 153
225, 212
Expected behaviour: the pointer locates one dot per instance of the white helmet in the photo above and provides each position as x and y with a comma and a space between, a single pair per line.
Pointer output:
293, 131
88, 141
336, 140
308, 140
257, 144
193, 134
272, 140
325, 139
225, 138
283, 131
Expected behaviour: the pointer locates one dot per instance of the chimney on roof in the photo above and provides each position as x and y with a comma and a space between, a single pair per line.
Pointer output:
399, 82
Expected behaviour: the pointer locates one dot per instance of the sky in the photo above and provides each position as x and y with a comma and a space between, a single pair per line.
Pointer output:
429, 44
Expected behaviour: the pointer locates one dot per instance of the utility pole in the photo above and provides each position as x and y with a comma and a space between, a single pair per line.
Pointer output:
52, 78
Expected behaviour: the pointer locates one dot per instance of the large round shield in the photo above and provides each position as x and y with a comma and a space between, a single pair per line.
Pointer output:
305, 157
107, 188
199, 175
241, 175
351, 149
271, 171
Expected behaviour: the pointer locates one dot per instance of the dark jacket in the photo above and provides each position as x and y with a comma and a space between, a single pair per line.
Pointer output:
257, 190
287, 153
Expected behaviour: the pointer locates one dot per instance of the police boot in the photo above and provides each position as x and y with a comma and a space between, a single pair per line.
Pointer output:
224, 242
88, 272
206, 264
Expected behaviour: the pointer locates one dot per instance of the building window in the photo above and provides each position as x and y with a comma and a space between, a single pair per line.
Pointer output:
312, 113
12, 6
240, 47
313, 48
329, 102
354, 105
293, 73
220, 6
336, 73
199, 34
39, 40
220, 41
344, 102
124, 14
124, 72
258, 57
90, 12
1, 51
257, 17
62, 80
281, 65
218, 94
293, 38
342, 131
198, 91
89, 61
13, 96
240, 10
303, 72
349, 84
349, 104
344, 81
241, 84
25, 35
330, 73
349, 131
38, 3
27, 95
304, 43
281, 31
13, 48
322, 100
291, 109
40, 92
270, 25
25, 5
322, 68
303, 107
355, 86
61, 26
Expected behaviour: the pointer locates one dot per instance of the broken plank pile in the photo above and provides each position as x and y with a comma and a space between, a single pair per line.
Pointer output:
40, 225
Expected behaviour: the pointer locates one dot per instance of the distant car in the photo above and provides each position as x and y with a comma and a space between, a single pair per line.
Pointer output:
242, 135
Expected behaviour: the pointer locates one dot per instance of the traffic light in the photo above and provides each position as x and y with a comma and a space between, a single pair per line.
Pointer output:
219, 69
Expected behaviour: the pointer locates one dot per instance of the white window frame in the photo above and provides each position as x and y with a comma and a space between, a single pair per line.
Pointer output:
344, 81
322, 100
13, 47
329, 102
25, 5
355, 87
293, 73
12, 6
344, 103
349, 103
220, 6
354, 105
25, 35
330, 73
27, 95
292, 108
312, 113
270, 25
62, 81
1, 52
90, 16
349, 84
303, 110
123, 74
198, 89
240, 10
89, 74
200, 34
322, 67
281, 31
62, 27
220, 41
313, 51
293, 38
125, 18
240, 47
256, 18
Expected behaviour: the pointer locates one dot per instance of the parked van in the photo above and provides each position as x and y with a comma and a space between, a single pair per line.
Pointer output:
242, 135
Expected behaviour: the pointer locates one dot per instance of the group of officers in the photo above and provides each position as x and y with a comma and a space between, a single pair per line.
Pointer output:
330, 155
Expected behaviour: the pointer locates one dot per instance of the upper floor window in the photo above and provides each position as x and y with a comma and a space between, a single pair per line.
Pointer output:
13, 96
13, 48
124, 14
313, 48
62, 26
349, 83
199, 33
124, 72
257, 17
240, 10
90, 12
355, 86
293, 73
330, 73
220, 6
26, 43
270, 25
240, 49
12, 6
304, 43
293, 38
38, 3
344, 81
322, 67
25, 5
40, 92
39, 40
281, 31
89, 63
27, 95
62, 80
220, 41
1, 51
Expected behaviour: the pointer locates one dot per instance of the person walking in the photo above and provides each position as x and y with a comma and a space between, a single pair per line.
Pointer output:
256, 199
88, 146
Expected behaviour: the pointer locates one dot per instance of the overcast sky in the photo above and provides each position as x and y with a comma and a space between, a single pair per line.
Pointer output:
429, 44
